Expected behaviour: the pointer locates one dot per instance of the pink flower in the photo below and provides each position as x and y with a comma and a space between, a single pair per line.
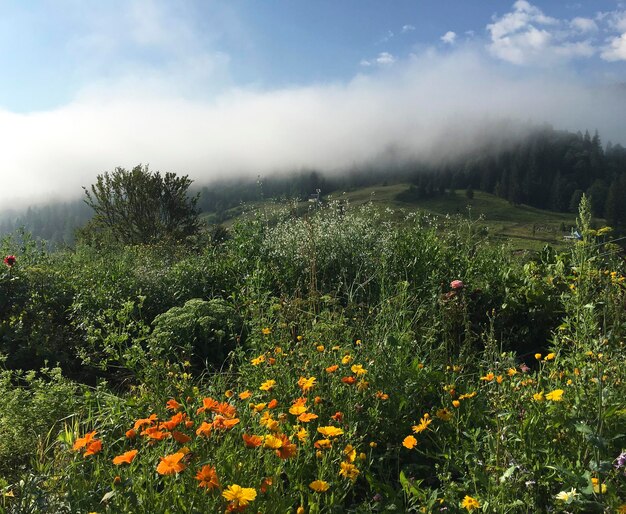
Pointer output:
10, 260
457, 284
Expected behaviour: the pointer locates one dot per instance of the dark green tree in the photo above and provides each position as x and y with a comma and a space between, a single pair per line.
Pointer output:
139, 206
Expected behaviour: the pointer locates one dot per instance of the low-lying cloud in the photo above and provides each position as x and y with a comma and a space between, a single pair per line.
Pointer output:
433, 104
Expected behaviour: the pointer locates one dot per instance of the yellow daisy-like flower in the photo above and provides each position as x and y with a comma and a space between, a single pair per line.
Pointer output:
357, 369
347, 359
556, 395
319, 486
511, 371
239, 496
349, 471
423, 424
488, 377
444, 414
538, 397
306, 384
330, 431
269, 441
268, 385
350, 453
258, 360
470, 503
302, 435
266, 331
549, 357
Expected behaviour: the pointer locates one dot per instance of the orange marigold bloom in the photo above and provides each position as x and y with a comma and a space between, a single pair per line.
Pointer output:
272, 404
204, 429
252, 441
287, 449
381, 396
349, 470
170, 464
409, 442
296, 410
221, 423
145, 421
155, 433
173, 405
81, 442
131, 434
207, 404
93, 447
456, 403
305, 417
173, 422
245, 395
266, 483
348, 380
423, 424
207, 476
225, 409
332, 369
488, 377
179, 437
330, 431
125, 458
337, 416
323, 444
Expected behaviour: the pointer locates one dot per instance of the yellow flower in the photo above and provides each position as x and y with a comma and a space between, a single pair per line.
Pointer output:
350, 453
319, 486
538, 397
470, 503
320, 348
423, 424
549, 357
456, 403
268, 385
444, 414
511, 371
567, 496
621, 509
266, 331
488, 377
347, 359
239, 496
357, 369
302, 435
349, 471
537, 356
300, 510
555, 396
597, 487
272, 442
258, 360
409, 442
330, 431
306, 384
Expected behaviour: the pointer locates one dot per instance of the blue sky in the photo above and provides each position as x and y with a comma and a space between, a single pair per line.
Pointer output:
186, 86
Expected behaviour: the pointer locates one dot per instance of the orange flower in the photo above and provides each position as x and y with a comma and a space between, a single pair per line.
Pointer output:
409, 442
173, 422
297, 409
266, 483
225, 409
93, 447
173, 405
272, 404
125, 458
338, 416
245, 395
131, 434
204, 429
81, 442
170, 464
179, 437
348, 380
306, 417
332, 369
252, 441
221, 423
330, 431
155, 433
287, 449
145, 421
207, 476
322, 444
207, 404
381, 396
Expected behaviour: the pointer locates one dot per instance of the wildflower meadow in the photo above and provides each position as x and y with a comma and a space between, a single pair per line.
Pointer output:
342, 361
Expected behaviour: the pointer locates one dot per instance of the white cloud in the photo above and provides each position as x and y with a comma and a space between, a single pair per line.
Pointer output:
449, 37
365, 62
434, 106
615, 50
527, 36
385, 59
407, 28
584, 25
